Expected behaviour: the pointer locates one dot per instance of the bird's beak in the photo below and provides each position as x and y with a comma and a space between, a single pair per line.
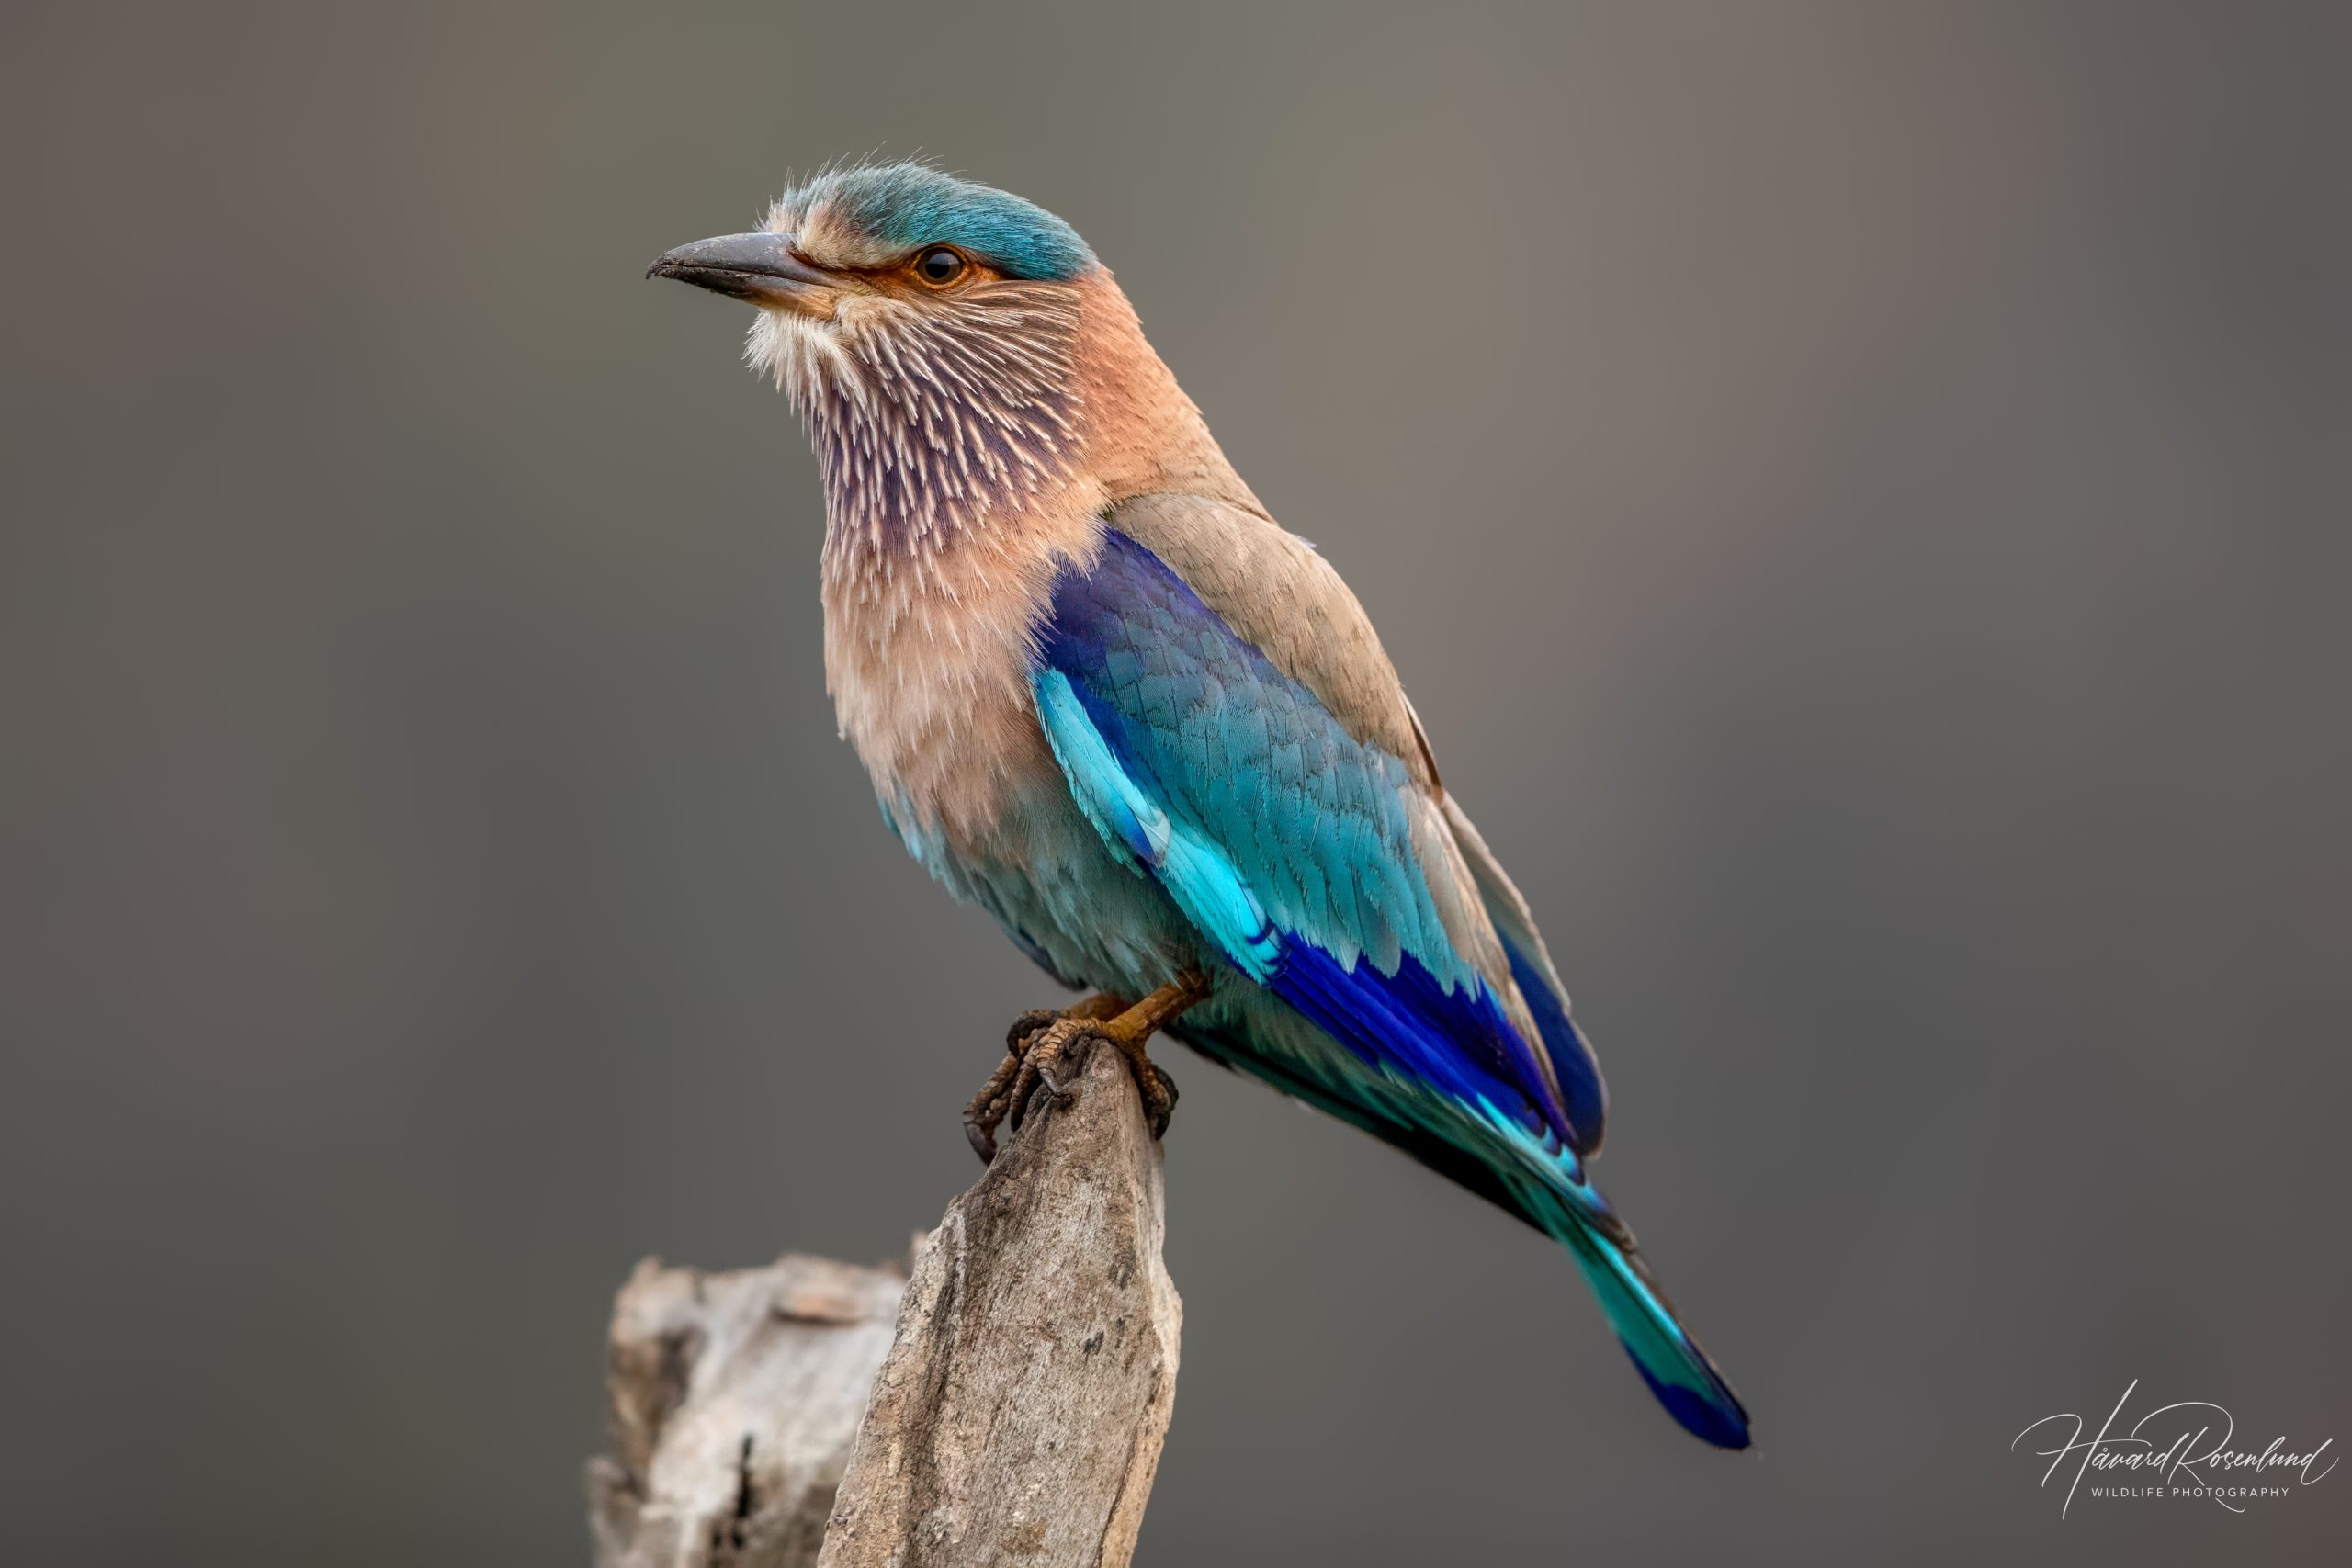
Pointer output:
758, 267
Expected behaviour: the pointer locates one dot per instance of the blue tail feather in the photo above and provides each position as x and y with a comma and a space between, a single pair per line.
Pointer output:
1543, 1183
1678, 1371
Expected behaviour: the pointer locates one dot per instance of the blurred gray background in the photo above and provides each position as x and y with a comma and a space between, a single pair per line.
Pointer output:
1858, 492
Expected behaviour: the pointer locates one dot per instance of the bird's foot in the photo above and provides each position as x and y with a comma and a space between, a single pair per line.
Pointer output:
1043, 1047
995, 1101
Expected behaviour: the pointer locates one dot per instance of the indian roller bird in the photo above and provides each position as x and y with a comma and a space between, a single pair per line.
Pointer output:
1106, 697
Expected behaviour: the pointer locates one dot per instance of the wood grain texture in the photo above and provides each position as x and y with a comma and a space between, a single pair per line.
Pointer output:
734, 1398
1020, 1414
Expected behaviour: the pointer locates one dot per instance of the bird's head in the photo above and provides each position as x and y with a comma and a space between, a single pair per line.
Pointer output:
955, 352
927, 329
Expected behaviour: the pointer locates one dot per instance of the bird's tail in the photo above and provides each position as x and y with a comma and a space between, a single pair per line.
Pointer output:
1678, 1371
1545, 1183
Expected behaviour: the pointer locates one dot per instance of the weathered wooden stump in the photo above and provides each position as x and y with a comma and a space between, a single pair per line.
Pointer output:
1017, 1414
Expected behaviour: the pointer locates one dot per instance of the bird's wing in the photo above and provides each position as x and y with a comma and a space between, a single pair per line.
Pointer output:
1275, 592
1321, 863
1573, 1062
1317, 858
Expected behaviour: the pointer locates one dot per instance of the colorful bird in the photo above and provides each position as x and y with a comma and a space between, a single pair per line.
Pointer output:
1104, 695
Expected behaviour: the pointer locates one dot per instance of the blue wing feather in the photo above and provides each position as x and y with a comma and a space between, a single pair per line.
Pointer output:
1286, 841
1166, 721
1572, 1059
1572, 1063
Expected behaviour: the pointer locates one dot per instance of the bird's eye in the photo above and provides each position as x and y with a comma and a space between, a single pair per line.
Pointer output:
939, 266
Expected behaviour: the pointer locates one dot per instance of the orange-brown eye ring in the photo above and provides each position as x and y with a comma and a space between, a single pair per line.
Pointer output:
940, 266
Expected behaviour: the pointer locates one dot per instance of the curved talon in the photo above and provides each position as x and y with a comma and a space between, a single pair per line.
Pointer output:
1053, 1086
1158, 1099
987, 1109
983, 1141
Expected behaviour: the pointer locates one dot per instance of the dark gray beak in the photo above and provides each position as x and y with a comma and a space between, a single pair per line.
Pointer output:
758, 267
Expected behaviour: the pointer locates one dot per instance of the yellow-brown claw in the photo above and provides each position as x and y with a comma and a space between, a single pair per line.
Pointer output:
1158, 1096
1010, 1085
1047, 1051
1039, 1042
986, 1113
1025, 1027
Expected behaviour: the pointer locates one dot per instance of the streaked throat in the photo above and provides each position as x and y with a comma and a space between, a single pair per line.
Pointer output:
931, 424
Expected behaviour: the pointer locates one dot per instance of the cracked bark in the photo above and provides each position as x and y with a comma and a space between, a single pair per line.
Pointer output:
1018, 1413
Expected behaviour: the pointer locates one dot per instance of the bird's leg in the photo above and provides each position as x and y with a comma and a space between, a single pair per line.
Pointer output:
989, 1106
1132, 1029
1127, 1033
